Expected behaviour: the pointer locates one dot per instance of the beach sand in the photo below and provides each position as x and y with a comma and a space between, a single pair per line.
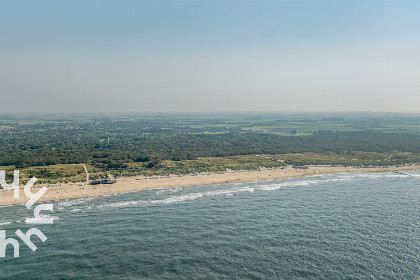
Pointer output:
136, 183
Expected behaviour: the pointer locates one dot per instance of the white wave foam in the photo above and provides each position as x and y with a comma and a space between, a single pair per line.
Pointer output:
72, 202
273, 187
168, 190
246, 189
341, 179
174, 197
40, 220
228, 192
329, 178
324, 178
177, 198
122, 204
381, 175
12, 222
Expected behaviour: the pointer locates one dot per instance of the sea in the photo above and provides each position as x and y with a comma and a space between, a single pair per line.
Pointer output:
338, 226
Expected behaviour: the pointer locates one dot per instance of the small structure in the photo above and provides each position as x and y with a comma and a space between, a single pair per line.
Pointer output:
300, 167
102, 181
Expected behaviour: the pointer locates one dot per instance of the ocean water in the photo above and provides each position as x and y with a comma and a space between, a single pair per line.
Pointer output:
343, 226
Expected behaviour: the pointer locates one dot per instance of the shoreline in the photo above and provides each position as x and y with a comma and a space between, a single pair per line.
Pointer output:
138, 183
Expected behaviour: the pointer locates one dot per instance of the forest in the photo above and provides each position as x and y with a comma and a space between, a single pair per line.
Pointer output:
138, 144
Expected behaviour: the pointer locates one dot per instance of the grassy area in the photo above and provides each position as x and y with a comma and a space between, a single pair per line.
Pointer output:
55, 173
352, 158
304, 133
306, 127
402, 127
204, 132
204, 164
217, 125
49, 174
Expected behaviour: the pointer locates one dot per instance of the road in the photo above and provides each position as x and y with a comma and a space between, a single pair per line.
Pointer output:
87, 173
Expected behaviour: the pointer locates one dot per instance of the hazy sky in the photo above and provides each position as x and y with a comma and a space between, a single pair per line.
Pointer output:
226, 55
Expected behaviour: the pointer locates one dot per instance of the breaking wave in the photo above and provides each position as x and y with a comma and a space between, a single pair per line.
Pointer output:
177, 195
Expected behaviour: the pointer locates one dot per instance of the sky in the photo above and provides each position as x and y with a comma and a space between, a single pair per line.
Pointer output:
209, 56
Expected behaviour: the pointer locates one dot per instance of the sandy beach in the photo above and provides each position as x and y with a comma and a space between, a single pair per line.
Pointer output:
137, 183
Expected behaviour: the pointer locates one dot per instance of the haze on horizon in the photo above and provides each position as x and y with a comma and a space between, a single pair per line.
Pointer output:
191, 56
